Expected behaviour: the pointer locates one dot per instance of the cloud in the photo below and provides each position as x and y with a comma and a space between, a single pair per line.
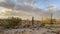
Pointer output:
24, 8
4, 11
2, 1
17, 3
52, 8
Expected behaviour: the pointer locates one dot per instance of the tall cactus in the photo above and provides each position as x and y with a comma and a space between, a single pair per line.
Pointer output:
32, 20
52, 19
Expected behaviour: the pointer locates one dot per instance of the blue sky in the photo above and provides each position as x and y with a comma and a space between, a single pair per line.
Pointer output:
45, 4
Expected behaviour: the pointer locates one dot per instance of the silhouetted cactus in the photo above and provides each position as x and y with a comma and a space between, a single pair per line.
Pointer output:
32, 20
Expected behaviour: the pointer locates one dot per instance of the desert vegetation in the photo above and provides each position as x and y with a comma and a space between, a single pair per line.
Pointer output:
15, 22
16, 25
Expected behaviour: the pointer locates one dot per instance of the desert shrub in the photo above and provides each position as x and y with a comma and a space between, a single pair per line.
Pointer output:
10, 23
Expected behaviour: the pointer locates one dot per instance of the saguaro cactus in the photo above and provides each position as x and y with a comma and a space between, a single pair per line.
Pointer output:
32, 20
51, 18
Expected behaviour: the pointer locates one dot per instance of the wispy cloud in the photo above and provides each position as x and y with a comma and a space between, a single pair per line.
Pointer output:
52, 8
17, 3
23, 8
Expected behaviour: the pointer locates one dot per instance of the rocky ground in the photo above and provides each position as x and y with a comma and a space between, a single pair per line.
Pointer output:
42, 30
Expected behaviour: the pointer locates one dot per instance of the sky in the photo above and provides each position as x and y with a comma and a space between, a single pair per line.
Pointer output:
46, 3
29, 8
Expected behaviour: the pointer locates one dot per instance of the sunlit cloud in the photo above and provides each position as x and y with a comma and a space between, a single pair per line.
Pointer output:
53, 7
4, 11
